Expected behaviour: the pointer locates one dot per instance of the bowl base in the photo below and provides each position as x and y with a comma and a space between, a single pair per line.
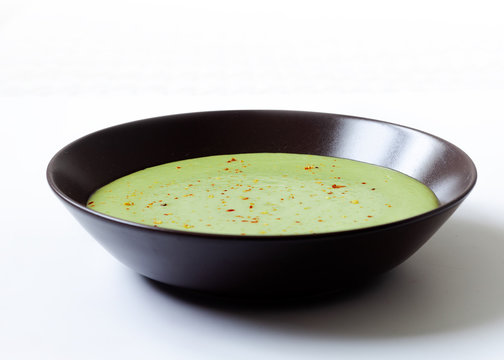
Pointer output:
287, 298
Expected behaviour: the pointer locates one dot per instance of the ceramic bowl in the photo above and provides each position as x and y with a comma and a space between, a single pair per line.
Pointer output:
259, 266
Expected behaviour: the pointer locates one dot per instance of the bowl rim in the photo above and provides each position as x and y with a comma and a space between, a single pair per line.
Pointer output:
287, 237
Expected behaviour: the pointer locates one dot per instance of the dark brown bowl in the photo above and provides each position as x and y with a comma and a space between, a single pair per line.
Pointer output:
259, 266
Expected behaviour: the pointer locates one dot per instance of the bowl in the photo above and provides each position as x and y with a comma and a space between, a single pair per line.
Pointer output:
259, 266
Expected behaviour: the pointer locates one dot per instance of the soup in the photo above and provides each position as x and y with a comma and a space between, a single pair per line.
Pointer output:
264, 194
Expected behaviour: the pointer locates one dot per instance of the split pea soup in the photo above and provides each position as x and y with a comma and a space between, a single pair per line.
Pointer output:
264, 194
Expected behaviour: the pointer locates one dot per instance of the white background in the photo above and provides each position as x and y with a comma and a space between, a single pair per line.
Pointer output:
68, 68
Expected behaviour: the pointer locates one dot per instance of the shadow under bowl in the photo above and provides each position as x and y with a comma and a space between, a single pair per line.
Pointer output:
259, 266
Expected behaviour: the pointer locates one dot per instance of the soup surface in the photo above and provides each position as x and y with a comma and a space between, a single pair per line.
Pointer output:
264, 194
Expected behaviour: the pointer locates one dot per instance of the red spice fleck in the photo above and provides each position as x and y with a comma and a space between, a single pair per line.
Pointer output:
232, 159
229, 210
251, 206
245, 198
178, 167
373, 189
254, 221
330, 193
299, 222
363, 183
226, 169
370, 216
91, 202
334, 186
309, 167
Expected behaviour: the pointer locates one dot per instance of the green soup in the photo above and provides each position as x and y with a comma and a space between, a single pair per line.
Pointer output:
264, 194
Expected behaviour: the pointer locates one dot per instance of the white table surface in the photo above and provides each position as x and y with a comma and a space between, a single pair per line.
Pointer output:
69, 68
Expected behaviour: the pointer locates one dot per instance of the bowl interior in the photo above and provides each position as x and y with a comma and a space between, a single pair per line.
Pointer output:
99, 158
